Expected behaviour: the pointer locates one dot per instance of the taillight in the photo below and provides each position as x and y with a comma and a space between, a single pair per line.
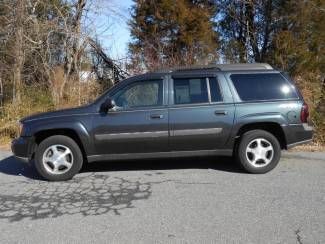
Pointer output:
304, 113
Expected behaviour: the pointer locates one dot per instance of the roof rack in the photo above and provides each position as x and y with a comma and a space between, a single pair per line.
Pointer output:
220, 67
252, 66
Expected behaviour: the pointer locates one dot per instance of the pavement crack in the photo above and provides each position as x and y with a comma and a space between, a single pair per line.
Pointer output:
298, 236
194, 183
92, 195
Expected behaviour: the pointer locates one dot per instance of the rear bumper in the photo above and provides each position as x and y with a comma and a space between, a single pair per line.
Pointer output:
22, 148
298, 134
299, 143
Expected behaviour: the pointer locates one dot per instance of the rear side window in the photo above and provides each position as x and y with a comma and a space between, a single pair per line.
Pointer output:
190, 91
252, 87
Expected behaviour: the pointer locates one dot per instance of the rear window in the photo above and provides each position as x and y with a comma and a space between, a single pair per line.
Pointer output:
252, 87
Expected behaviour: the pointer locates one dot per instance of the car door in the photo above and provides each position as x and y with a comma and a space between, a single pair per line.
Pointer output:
201, 112
138, 123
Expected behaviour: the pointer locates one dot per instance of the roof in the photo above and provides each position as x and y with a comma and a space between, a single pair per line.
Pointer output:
220, 67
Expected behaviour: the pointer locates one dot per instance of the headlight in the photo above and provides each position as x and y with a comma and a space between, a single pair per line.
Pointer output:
21, 128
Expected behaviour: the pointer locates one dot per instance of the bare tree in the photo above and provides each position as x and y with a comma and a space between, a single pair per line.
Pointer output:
18, 50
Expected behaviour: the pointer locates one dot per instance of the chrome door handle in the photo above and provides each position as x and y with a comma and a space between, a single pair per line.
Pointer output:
157, 116
218, 112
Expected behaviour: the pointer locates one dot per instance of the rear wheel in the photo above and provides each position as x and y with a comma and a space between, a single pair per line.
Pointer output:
259, 151
58, 158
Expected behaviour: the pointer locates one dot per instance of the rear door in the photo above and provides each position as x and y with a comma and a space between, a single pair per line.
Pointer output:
201, 112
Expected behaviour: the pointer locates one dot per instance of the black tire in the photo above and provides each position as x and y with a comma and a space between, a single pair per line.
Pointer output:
58, 140
249, 137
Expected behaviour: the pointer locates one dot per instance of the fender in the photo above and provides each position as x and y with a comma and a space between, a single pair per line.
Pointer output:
81, 129
255, 118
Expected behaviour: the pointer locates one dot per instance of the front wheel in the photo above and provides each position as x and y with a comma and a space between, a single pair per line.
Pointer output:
58, 158
259, 151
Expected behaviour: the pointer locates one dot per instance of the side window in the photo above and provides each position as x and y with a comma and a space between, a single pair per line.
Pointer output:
252, 87
190, 91
215, 90
140, 94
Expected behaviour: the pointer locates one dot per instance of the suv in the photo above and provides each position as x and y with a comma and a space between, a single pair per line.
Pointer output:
249, 111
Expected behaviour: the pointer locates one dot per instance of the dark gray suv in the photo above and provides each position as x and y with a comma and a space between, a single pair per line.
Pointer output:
249, 111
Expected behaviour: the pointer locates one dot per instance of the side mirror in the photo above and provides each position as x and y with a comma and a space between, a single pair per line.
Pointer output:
108, 104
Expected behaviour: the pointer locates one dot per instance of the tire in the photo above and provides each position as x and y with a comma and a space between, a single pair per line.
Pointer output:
255, 153
58, 158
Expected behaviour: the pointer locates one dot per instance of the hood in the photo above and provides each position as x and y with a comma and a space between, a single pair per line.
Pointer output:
59, 113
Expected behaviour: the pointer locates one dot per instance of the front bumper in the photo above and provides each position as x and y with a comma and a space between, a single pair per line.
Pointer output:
22, 148
299, 134
23, 159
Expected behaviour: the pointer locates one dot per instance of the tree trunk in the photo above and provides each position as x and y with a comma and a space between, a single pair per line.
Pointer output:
73, 47
251, 28
18, 52
321, 104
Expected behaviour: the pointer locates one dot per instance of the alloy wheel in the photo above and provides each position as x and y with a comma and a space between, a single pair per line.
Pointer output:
57, 159
259, 152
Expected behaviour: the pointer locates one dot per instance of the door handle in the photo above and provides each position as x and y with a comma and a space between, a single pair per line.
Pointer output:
157, 116
219, 112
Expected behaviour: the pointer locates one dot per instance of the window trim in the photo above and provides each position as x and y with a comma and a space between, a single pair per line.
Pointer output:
220, 90
207, 80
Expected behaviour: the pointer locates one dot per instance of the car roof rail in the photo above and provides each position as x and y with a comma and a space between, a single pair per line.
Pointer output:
186, 68
219, 67
245, 66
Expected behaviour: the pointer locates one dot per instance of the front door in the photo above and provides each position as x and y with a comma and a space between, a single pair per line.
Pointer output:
200, 117
138, 124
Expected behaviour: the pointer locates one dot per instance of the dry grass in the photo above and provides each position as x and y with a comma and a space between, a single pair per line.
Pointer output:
312, 92
35, 100
5, 147
38, 99
313, 147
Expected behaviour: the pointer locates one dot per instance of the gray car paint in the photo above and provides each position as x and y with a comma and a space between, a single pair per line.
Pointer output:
179, 130
206, 126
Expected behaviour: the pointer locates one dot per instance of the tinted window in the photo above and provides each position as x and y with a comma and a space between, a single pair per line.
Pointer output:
190, 91
215, 90
140, 94
262, 87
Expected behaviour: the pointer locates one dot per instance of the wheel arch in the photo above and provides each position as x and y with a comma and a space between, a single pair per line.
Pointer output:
80, 138
271, 127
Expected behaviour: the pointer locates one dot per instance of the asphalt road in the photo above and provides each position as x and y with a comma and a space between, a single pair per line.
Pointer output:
198, 200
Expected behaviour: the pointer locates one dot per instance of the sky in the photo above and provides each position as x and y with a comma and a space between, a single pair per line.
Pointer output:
112, 28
